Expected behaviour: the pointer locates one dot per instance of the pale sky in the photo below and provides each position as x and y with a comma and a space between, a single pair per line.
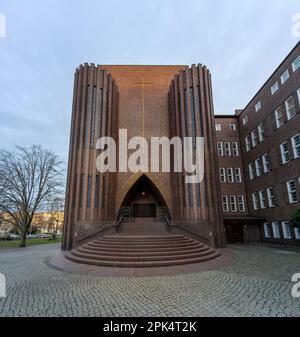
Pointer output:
242, 42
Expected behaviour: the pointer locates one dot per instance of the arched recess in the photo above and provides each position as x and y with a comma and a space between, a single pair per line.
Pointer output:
158, 190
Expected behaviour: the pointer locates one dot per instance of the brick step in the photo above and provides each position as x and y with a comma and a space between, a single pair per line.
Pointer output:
139, 258
140, 242
143, 237
141, 253
145, 245
139, 249
142, 264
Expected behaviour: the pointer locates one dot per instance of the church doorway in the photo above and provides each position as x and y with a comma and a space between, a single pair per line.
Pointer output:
144, 201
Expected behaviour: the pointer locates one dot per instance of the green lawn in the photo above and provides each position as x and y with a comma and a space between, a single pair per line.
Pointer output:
29, 242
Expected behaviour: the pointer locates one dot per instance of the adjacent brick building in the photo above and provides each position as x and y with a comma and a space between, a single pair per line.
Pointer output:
268, 133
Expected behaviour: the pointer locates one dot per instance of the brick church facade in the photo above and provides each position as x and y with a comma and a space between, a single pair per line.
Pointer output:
252, 170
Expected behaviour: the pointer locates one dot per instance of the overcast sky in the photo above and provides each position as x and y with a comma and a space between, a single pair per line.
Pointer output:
242, 42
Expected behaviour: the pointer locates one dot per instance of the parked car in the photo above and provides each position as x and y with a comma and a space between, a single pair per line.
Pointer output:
14, 237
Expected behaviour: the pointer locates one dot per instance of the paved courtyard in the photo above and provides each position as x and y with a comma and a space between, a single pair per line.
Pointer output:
258, 283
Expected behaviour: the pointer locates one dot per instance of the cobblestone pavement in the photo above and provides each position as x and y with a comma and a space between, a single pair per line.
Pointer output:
258, 283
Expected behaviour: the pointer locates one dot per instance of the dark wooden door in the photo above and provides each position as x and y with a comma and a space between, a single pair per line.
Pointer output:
144, 210
234, 234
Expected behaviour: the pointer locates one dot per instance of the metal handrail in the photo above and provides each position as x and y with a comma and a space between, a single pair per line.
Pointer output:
169, 223
120, 221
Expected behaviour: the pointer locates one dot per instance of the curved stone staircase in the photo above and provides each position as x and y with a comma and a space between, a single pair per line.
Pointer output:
141, 251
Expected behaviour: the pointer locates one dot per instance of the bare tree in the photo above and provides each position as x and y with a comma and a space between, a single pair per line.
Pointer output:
28, 178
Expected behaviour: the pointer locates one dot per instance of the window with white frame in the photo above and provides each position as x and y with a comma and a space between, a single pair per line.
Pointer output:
255, 201
248, 143
296, 64
258, 106
233, 207
220, 149
290, 108
254, 138
276, 230
258, 167
296, 146
274, 88
262, 199
222, 175
232, 127
267, 231
266, 163
271, 197
251, 171
286, 229
285, 76
235, 149
292, 192
285, 153
227, 149
279, 117
225, 203
230, 177
241, 203
297, 233
238, 175
245, 120
298, 94
261, 132
218, 127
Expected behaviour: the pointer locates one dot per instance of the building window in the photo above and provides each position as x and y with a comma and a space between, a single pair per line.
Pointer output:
251, 171
235, 149
276, 230
271, 197
292, 192
89, 190
232, 127
296, 146
285, 76
245, 120
230, 177
222, 175
233, 207
255, 201
274, 88
258, 167
290, 108
258, 106
266, 163
296, 64
267, 231
81, 191
261, 132
286, 229
285, 153
241, 203
238, 175
227, 149
254, 138
279, 117
262, 199
97, 187
298, 94
225, 203
220, 149
218, 127
248, 143
297, 233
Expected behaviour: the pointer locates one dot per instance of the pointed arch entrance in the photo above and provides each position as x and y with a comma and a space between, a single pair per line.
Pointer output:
144, 201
